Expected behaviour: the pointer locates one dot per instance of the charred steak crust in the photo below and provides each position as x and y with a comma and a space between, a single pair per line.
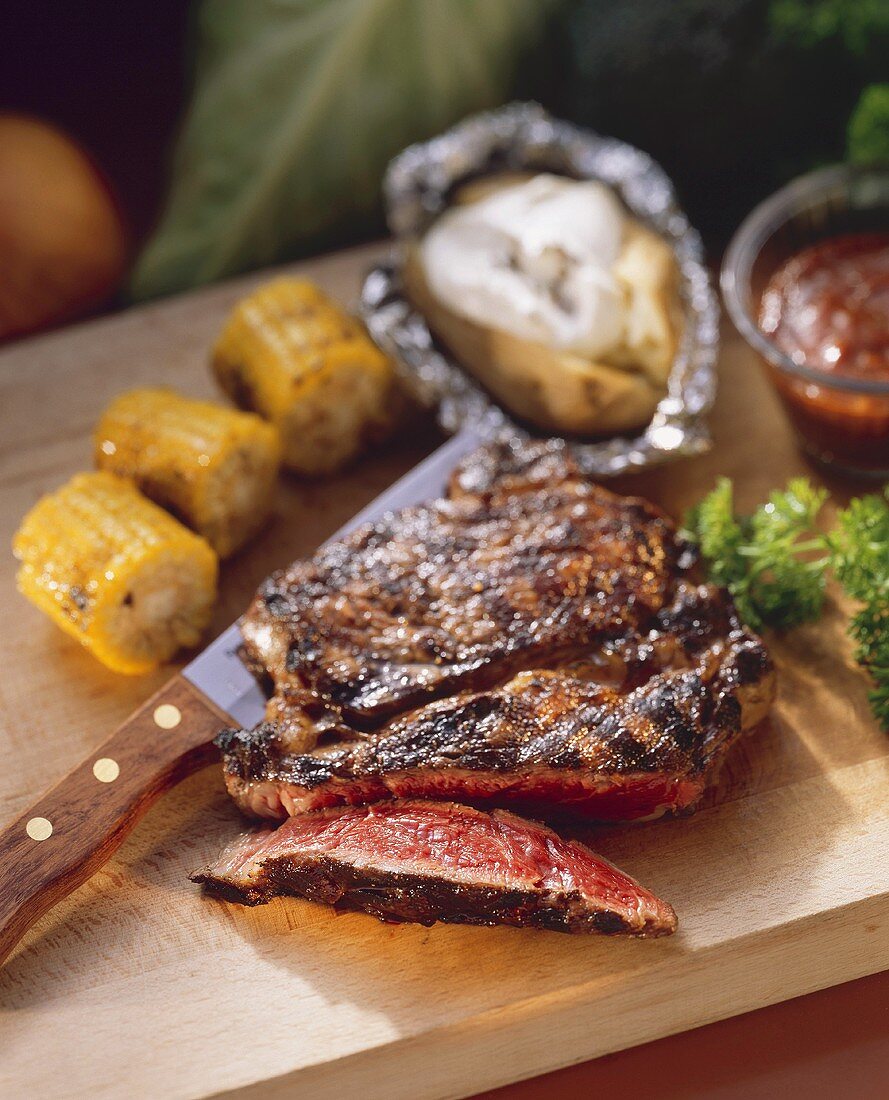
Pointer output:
697, 618
513, 467
460, 593
541, 719
424, 862
546, 738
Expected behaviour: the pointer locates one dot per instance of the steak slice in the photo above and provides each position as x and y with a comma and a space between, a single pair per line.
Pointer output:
434, 861
460, 593
548, 741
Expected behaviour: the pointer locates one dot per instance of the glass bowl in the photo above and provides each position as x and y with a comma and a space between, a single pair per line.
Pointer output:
841, 422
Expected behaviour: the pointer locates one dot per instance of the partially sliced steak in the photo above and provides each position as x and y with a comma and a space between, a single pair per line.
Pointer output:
548, 741
461, 593
427, 862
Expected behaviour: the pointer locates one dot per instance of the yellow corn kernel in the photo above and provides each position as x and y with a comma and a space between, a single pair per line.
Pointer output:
291, 354
213, 467
116, 571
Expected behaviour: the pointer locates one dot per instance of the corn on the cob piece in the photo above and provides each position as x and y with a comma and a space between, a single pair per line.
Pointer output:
291, 354
213, 467
116, 571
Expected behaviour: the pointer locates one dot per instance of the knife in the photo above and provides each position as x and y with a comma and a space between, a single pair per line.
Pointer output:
65, 837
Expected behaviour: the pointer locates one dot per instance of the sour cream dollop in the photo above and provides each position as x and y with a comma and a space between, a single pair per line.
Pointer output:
535, 259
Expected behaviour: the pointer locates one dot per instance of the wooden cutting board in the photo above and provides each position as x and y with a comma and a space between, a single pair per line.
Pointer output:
139, 986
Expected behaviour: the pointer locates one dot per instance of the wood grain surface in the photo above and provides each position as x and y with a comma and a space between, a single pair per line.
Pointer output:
136, 985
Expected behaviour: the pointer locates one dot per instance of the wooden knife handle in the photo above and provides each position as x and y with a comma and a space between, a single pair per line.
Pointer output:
75, 827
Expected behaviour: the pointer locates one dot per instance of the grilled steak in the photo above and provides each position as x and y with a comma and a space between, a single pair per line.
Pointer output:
460, 593
531, 642
548, 741
427, 862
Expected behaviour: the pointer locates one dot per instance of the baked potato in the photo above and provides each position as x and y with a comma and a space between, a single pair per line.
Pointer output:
558, 390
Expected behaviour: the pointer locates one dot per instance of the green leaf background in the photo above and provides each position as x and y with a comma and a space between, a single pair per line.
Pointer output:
298, 106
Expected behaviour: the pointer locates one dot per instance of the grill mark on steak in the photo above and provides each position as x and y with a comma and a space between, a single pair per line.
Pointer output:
461, 593
513, 467
697, 618
550, 740
427, 862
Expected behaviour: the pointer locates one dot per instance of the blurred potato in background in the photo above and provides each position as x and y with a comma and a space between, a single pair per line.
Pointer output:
63, 245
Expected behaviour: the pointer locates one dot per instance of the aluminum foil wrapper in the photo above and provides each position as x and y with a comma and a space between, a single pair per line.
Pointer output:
523, 136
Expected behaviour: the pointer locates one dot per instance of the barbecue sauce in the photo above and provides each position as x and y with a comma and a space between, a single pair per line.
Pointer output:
827, 308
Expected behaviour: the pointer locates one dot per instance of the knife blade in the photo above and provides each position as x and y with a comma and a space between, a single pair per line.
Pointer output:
220, 674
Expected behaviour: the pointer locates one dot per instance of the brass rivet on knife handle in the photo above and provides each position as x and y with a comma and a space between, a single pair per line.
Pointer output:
91, 810
167, 716
106, 770
39, 828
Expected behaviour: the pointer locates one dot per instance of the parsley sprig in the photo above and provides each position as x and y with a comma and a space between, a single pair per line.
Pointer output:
775, 563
